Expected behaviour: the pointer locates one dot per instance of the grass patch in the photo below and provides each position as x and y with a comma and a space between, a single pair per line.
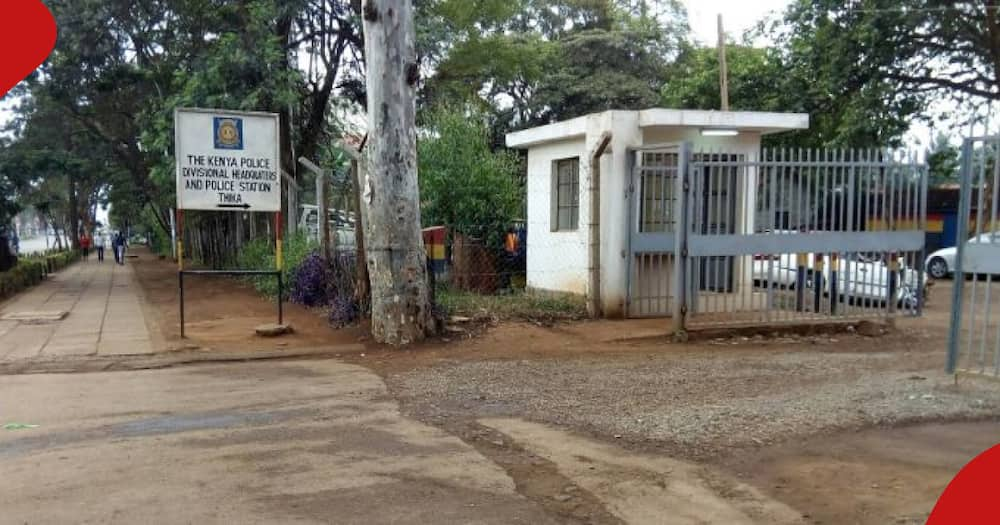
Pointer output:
520, 305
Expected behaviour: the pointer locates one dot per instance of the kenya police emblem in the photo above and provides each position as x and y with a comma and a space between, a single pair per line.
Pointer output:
228, 132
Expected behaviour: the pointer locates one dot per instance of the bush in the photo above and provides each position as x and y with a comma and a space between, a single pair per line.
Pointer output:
31, 271
259, 255
309, 282
464, 183
316, 283
343, 311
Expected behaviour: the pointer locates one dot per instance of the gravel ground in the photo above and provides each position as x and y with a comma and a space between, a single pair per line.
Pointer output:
706, 403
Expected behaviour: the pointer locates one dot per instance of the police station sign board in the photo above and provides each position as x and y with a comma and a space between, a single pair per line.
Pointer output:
227, 160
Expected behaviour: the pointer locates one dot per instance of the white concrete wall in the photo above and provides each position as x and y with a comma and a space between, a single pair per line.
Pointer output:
615, 178
557, 261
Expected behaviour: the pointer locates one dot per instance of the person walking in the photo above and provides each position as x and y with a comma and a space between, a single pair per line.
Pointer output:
85, 245
99, 242
119, 244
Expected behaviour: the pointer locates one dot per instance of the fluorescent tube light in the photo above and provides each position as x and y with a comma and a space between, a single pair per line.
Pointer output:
720, 132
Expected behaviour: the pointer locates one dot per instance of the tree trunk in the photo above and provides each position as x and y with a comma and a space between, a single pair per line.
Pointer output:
401, 310
362, 286
74, 211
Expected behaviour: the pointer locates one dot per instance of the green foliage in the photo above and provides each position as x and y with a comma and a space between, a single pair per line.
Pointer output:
259, 255
32, 270
463, 183
597, 70
530, 62
943, 161
754, 74
522, 306
898, 52
791, 80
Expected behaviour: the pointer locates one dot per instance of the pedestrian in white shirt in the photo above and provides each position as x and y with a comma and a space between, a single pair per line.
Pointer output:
100, 241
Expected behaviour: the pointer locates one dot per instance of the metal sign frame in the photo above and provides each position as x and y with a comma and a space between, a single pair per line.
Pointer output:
179, 215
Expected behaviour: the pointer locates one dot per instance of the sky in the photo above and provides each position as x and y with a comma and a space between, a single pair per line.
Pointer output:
737, 16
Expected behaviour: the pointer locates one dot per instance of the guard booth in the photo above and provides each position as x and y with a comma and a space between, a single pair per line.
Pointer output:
681, 214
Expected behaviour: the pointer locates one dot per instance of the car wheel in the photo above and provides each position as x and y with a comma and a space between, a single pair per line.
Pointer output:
938, 268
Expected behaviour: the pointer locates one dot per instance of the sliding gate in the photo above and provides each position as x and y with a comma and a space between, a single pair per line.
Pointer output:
729, 238
974, 338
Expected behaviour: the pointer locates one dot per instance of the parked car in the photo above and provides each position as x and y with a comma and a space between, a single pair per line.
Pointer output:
865, 278
341, 222
941, 263
780, 271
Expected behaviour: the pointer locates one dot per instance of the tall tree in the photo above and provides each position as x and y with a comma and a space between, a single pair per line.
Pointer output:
401, 310
534, 61
883, 60
121, 66
942, 161
925, 46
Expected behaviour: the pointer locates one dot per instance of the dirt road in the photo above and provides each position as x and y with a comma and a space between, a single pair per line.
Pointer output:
311, 442
594, 422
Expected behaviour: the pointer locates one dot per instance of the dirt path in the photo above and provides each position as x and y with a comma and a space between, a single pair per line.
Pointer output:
876, 476
221, 313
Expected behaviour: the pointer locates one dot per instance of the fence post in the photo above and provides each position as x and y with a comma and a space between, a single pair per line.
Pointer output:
958, 282
680, 212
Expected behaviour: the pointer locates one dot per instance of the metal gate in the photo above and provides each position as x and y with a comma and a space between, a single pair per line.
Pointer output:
733, 238
974, 337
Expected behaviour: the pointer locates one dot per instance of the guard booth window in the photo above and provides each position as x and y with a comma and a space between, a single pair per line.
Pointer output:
566, 195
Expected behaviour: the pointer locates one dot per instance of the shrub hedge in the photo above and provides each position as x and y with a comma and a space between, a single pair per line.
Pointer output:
32, 270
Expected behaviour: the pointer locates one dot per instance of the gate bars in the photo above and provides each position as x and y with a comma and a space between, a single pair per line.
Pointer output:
974, 332
722, 237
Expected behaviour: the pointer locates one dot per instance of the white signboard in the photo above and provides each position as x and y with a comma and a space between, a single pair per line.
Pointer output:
227, 160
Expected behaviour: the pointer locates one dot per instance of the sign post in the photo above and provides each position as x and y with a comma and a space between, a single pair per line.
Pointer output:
227, 161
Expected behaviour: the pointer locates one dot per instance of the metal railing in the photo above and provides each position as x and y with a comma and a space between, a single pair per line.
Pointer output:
974, 336
785, 236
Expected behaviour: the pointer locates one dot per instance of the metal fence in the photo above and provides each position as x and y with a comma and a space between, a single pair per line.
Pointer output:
974, 338
730, 238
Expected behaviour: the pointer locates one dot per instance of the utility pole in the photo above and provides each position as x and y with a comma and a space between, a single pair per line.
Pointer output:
322, 207
401, 309
723, 69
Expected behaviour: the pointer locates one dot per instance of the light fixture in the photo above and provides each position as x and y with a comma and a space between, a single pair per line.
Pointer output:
720, 132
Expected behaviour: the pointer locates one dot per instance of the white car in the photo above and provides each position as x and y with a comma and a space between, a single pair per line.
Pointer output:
865, 278
941, 263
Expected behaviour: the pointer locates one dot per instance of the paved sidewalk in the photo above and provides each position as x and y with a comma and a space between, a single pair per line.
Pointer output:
105, 315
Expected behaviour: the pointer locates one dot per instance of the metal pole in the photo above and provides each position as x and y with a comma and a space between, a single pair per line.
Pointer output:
180, 264
817, 282
680, 241
834, 293
958, 285
173, 235
279, 263
723, 69
180, 286
281, 314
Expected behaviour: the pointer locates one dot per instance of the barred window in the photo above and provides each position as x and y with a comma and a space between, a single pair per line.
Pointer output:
566, 195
